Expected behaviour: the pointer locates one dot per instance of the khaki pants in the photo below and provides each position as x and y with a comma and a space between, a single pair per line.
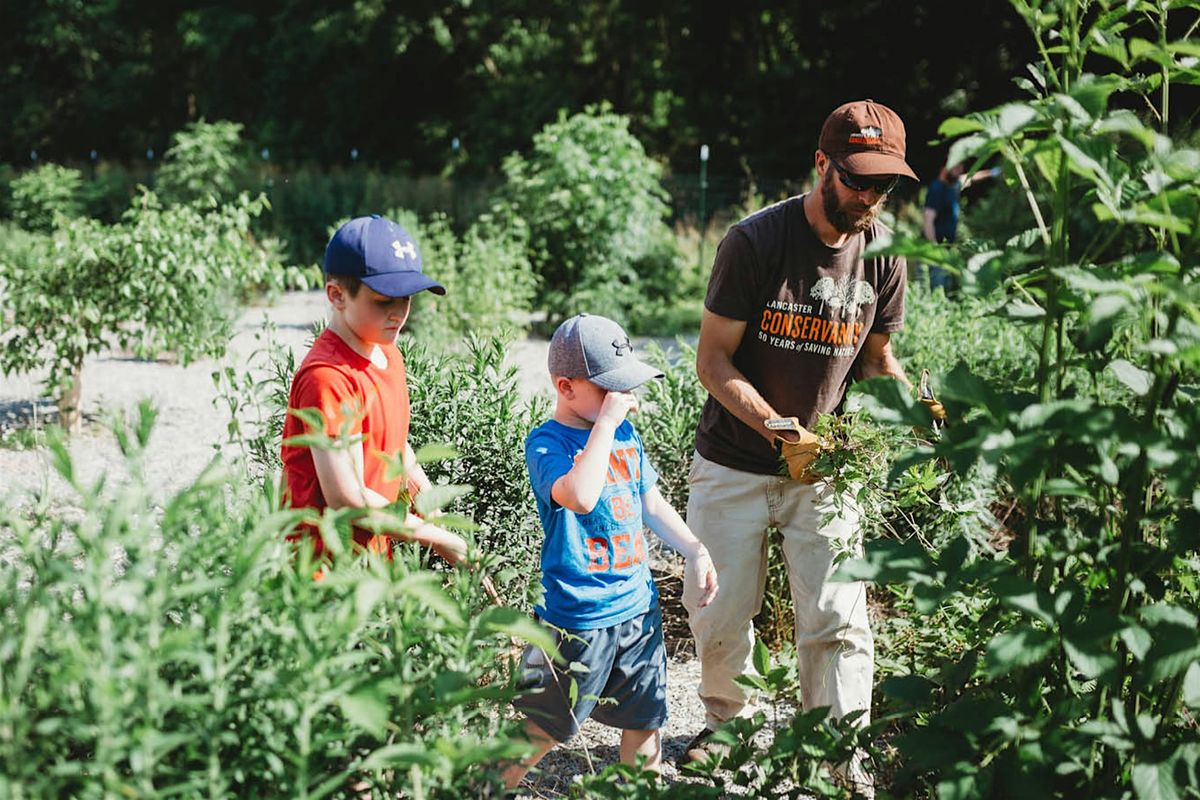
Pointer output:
730, 511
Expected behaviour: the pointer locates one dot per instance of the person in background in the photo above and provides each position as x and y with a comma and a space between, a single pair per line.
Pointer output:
942, 212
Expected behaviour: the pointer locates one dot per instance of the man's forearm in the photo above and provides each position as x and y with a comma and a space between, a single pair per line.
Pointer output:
887, 365
732, 390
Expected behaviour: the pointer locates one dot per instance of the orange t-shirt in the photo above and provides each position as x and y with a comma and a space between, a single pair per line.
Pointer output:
355, 397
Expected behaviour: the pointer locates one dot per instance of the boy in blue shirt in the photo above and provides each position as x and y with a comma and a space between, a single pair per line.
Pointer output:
595, 493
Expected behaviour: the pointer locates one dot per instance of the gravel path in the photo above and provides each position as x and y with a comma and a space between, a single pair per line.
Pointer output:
187, 436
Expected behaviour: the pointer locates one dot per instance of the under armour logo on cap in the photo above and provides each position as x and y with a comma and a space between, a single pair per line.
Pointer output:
623, 346
406, 250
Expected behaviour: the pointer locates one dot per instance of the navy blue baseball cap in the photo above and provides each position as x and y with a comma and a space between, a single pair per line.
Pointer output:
381, 254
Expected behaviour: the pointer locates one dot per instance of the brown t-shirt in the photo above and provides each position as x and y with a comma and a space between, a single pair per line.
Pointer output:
808, 309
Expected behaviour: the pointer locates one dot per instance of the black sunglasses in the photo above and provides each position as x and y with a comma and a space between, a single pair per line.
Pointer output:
861, 183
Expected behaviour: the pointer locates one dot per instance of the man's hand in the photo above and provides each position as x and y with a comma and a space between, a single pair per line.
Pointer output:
927, 398
616, 406
798, 446
700, 573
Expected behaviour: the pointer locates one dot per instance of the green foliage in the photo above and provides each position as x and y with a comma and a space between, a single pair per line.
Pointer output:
203, 163
595, 211
255, 394
800, 760
43, 193
471, 402
188, 651
1077, 675
489, 281
165, 278
468, 401
107, 194
671, 412
305, 199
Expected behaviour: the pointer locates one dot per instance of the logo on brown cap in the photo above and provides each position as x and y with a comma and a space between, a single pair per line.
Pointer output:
867, 135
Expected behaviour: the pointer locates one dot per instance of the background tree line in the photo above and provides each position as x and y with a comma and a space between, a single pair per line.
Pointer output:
404, 82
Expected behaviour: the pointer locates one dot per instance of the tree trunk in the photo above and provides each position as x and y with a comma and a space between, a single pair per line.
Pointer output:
70, 411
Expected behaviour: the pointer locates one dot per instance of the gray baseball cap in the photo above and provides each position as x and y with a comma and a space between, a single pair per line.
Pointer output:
593, 347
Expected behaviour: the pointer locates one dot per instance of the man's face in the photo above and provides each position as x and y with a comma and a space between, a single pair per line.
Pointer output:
847, 210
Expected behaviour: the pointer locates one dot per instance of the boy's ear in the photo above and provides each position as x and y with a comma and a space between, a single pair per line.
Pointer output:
336, 294
563, 387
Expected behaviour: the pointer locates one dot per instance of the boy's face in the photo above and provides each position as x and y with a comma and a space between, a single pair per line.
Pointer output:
373, 317
583, 397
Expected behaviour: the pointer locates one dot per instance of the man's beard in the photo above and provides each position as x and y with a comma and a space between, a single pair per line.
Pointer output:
839, 217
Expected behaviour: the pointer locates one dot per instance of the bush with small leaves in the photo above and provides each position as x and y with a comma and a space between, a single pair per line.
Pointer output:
44, 194
164, 279
595, 212
203, 163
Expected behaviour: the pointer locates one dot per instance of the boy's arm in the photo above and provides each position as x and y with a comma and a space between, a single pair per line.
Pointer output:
340, 473
414, 471
579, 489
666, 523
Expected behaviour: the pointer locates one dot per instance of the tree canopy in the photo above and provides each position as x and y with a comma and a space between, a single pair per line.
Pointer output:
455, 85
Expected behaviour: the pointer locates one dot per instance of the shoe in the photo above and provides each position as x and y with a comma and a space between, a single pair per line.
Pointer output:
701, 748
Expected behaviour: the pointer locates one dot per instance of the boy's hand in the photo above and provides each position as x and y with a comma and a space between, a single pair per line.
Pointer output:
701, 573
449, 546
616, 406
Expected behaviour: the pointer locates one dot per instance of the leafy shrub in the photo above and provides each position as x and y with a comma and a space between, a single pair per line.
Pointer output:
255, 393
305, 199
471, 402
488, 279
6, 178
163, 279
591, 199
204, 161
188, 651
44, 192
1082, 679
668, 423
107, 194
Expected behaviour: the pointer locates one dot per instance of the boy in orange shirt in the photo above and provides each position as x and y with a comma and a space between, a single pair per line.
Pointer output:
354, 375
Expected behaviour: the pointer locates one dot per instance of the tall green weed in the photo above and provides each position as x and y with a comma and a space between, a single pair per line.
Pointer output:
158, 647
1080, 676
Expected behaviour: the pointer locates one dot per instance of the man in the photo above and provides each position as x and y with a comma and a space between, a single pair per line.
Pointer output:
942, 210
792, 311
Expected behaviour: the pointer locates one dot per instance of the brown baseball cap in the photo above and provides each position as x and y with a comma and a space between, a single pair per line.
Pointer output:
866, 138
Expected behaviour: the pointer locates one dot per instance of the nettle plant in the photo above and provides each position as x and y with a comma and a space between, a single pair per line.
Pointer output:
1084, 677
164, 279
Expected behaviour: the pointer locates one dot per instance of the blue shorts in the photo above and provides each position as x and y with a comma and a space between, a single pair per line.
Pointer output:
625, 684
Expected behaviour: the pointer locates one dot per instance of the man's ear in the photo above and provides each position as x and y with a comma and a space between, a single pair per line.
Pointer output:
821, 162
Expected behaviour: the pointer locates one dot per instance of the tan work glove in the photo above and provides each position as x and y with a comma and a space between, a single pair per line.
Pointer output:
925, 395
797, 446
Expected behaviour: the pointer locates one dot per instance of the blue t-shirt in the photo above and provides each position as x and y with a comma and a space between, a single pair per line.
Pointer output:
943, 197
594, 570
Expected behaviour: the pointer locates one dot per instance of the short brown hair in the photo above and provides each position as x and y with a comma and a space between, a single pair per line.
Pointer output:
348, 282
